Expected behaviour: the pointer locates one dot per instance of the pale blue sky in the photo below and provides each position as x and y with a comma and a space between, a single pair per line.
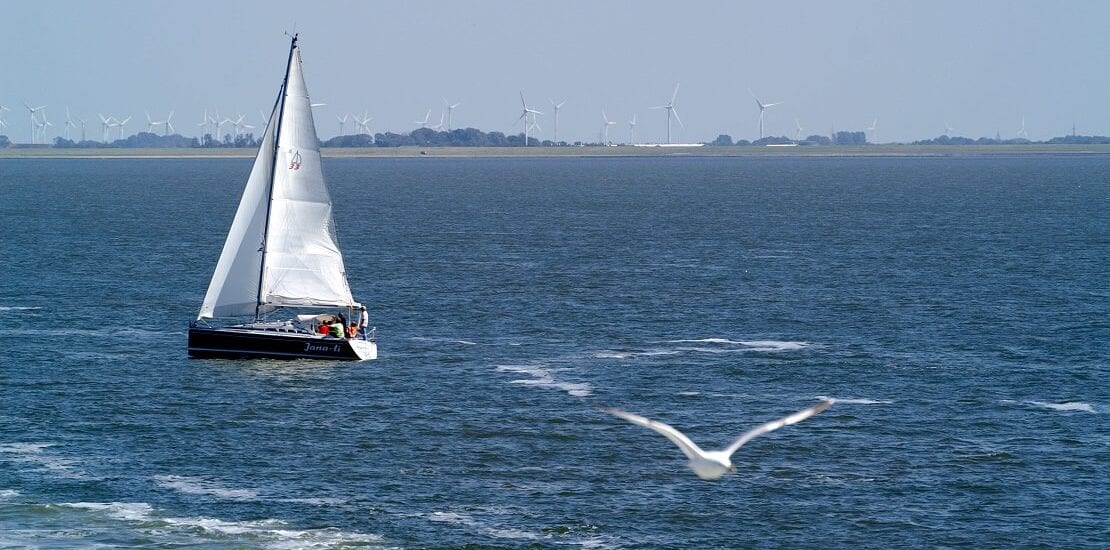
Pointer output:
916, 66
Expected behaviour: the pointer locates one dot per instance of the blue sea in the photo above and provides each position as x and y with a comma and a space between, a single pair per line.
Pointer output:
958, 308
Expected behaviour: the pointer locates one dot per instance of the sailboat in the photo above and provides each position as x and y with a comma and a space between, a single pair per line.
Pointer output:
282, 255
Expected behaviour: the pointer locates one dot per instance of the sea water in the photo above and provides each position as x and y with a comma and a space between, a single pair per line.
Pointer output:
956, 307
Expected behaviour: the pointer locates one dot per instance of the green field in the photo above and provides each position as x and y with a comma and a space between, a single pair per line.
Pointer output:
594, 151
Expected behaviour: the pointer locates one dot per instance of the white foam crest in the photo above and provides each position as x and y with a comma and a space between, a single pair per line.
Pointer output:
279, 533
751, 345
272, 533
447, 340
1068, 406
858, 401
774, 345
455, 518
544, 378
688, 393
128, 511
703, 341
32, 453
24, 448
20, 308
610, 354
200, 486
8, 493
321, 501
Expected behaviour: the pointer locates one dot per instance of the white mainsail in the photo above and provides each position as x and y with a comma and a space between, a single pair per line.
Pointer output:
282, 248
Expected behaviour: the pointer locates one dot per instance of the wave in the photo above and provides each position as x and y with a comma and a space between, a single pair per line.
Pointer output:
455, 518
858, 401
6, 494
272, 533
128, 511
207, 487
20, 308
32, 453
444, 340
751, 345
1077, 406
200, 486
716, 345
544, 378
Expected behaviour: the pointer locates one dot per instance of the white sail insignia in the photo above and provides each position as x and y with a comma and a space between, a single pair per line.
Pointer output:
282, 249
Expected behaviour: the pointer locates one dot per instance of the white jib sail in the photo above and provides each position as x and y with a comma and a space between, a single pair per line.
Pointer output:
233, 291
303, 265
296, 262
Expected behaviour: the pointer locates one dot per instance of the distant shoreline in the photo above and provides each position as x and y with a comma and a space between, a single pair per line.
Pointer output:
893, 151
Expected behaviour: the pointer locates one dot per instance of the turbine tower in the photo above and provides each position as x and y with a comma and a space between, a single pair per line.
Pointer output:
762, 107
632, 130
69, 124
166, 125
871, 129
671, 110
120, 124
33, 110
204, 123
605, 128
556, 106
342, 122
363, 124
1022, 133
424, 123
525, 111
105, 124
450, 112
797, 129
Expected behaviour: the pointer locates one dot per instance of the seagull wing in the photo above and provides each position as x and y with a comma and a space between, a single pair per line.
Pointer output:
774, 425
688, 447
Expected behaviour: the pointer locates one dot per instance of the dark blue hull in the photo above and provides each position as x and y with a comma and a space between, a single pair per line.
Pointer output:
239, 343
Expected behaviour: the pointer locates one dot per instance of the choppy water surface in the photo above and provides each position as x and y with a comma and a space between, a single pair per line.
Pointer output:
957, 307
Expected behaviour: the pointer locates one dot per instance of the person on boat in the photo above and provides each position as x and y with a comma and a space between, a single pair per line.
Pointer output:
337, 329
352, 330
363, 322
324, 328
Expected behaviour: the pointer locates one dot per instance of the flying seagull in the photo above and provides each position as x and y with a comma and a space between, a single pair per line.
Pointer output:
714, 464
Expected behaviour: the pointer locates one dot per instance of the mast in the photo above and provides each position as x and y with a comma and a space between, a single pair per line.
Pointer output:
273, 167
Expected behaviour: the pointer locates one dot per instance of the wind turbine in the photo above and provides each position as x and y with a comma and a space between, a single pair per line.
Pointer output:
169, 125
42, 124
33, 110
205, 122
871, 129
120, 124
632, 130
948, 129
219, 123
762, 107
105, 123
240, 126
671, 110
439, 127
450, 111
605, 128
797, 129
2, 123
525, 111
1022, 133
342, 122
69, 124
557, 106
424, 123
363, 124
82, 128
